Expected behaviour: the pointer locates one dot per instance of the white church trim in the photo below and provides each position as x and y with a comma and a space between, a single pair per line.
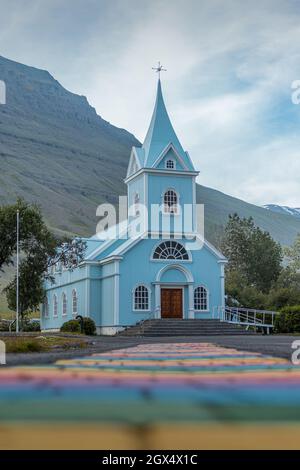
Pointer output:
169, 147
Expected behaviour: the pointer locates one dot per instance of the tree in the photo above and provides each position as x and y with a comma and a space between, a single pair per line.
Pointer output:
286, 290
264, 261
31, 289
239, 293
252, 253
293, 254
40, 250
33, 231
236, 242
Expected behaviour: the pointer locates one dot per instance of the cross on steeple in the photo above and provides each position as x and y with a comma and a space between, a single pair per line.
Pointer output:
159, 69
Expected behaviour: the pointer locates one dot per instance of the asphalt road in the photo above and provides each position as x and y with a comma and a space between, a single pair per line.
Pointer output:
275, 345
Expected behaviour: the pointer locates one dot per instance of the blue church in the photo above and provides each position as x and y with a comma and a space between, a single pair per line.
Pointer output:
164, 270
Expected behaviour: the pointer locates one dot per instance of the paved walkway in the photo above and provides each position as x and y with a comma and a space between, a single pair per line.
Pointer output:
167, 395
275, 345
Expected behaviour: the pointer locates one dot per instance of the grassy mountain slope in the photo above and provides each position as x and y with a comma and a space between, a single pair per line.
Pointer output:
56, 151
217, 206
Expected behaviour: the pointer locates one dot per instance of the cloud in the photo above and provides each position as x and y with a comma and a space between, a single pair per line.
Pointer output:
227, 88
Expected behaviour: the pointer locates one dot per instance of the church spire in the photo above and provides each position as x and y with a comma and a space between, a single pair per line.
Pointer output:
161, 142
161, 133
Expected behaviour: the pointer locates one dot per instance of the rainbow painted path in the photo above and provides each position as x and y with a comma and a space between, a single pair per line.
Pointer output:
182, 395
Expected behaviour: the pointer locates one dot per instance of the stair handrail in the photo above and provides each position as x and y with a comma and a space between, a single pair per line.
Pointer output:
151, 316
248, 316
236, 316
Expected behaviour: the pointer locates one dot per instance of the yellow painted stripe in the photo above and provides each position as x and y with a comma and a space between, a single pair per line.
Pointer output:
166, 436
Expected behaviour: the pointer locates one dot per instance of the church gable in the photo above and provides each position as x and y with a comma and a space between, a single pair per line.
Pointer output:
170, 160
134, 162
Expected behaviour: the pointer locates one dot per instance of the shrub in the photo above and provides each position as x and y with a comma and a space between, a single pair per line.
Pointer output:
71, 326
248, 297
289, 320
31, 325
283, 296
33, 346
23, 345
4, 325
89, 327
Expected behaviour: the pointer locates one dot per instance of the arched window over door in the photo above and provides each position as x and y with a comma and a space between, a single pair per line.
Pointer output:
170, 249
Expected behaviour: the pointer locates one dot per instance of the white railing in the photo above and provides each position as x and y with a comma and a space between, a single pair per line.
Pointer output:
248, 317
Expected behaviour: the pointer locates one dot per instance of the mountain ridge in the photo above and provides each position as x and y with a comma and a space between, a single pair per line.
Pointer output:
293, 211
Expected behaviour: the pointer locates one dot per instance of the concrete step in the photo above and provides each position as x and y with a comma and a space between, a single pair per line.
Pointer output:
175, 327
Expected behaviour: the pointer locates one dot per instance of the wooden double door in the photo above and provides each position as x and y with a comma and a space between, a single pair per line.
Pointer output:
171, 303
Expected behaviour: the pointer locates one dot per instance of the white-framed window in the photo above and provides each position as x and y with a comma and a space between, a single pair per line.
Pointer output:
141, 298
170, 250
55, 306
74, 302
170, 202
46, 307
201, 299
170, 164
64, 304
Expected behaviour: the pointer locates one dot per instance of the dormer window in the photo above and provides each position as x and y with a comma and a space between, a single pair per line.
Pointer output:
170, 164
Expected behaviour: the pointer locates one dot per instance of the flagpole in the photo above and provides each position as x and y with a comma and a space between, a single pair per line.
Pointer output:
17, 286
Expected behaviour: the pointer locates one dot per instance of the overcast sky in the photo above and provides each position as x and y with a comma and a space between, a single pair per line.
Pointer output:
227, 88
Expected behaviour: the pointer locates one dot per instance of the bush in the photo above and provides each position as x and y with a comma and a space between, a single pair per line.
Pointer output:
31, 325
289, 320
89, 327
4, 325
23, 345
283, 296
71, 326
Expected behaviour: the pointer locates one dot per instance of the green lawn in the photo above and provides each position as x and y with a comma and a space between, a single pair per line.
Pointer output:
23, 344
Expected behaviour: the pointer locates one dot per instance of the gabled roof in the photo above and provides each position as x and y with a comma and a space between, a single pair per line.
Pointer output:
131, 242
114, 237
160, 135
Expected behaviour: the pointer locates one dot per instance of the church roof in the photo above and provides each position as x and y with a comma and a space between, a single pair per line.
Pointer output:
160, 135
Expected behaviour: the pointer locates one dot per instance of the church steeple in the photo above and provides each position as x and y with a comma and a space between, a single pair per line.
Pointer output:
161, 171
160, 140
160, 133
